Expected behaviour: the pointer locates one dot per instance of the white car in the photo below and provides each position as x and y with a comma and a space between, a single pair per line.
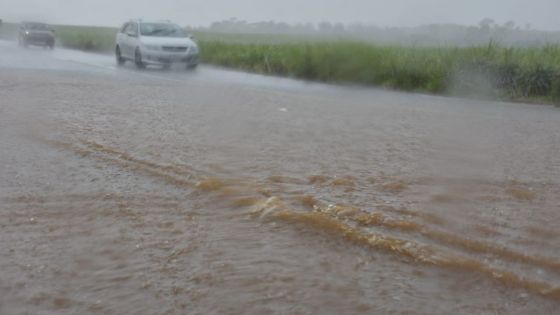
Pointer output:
155, 43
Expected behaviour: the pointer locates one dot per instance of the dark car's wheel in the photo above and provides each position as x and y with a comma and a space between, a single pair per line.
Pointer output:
192, 66
138, 59
119, 57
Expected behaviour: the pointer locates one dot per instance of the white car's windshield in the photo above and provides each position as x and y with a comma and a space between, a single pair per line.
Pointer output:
162, 30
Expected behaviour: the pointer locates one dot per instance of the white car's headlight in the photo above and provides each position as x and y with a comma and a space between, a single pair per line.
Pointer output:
193, 49
152, 47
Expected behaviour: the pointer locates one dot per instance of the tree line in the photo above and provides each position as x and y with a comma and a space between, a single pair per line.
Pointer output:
487, 30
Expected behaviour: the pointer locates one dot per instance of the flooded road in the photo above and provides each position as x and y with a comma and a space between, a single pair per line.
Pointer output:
218, 192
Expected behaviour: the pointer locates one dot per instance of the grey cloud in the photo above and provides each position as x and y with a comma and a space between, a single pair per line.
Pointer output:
542, 14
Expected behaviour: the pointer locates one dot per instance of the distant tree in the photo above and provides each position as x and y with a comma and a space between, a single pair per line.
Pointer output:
507, 34
282, 27
325, 27
306, 28
486, 25
339, 28
474, 36
509, 25
357, 28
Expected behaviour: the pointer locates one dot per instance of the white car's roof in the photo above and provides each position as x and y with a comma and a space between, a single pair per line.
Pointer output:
152, 21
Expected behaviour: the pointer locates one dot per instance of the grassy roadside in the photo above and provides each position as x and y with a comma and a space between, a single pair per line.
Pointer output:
491, 71
530, 74
96, 39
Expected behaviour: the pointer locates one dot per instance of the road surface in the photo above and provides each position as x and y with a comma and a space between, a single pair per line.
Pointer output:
219, 192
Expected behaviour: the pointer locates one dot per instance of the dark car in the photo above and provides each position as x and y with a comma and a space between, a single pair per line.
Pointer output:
38, 34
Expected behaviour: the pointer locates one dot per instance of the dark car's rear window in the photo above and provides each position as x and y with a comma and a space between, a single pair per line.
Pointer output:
37, 26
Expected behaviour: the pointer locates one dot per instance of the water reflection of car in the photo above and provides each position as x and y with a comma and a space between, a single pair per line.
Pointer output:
38, 34
155, 43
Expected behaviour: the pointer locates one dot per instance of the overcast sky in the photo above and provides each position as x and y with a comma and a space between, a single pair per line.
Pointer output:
541, 14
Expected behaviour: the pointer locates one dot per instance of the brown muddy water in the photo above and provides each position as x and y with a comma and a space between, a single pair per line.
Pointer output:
220, 193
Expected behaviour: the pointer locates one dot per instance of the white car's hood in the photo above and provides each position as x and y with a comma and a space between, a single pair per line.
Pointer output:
167, 41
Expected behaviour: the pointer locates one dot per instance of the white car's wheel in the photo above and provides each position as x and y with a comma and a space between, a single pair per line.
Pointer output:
138, 59
119, 57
